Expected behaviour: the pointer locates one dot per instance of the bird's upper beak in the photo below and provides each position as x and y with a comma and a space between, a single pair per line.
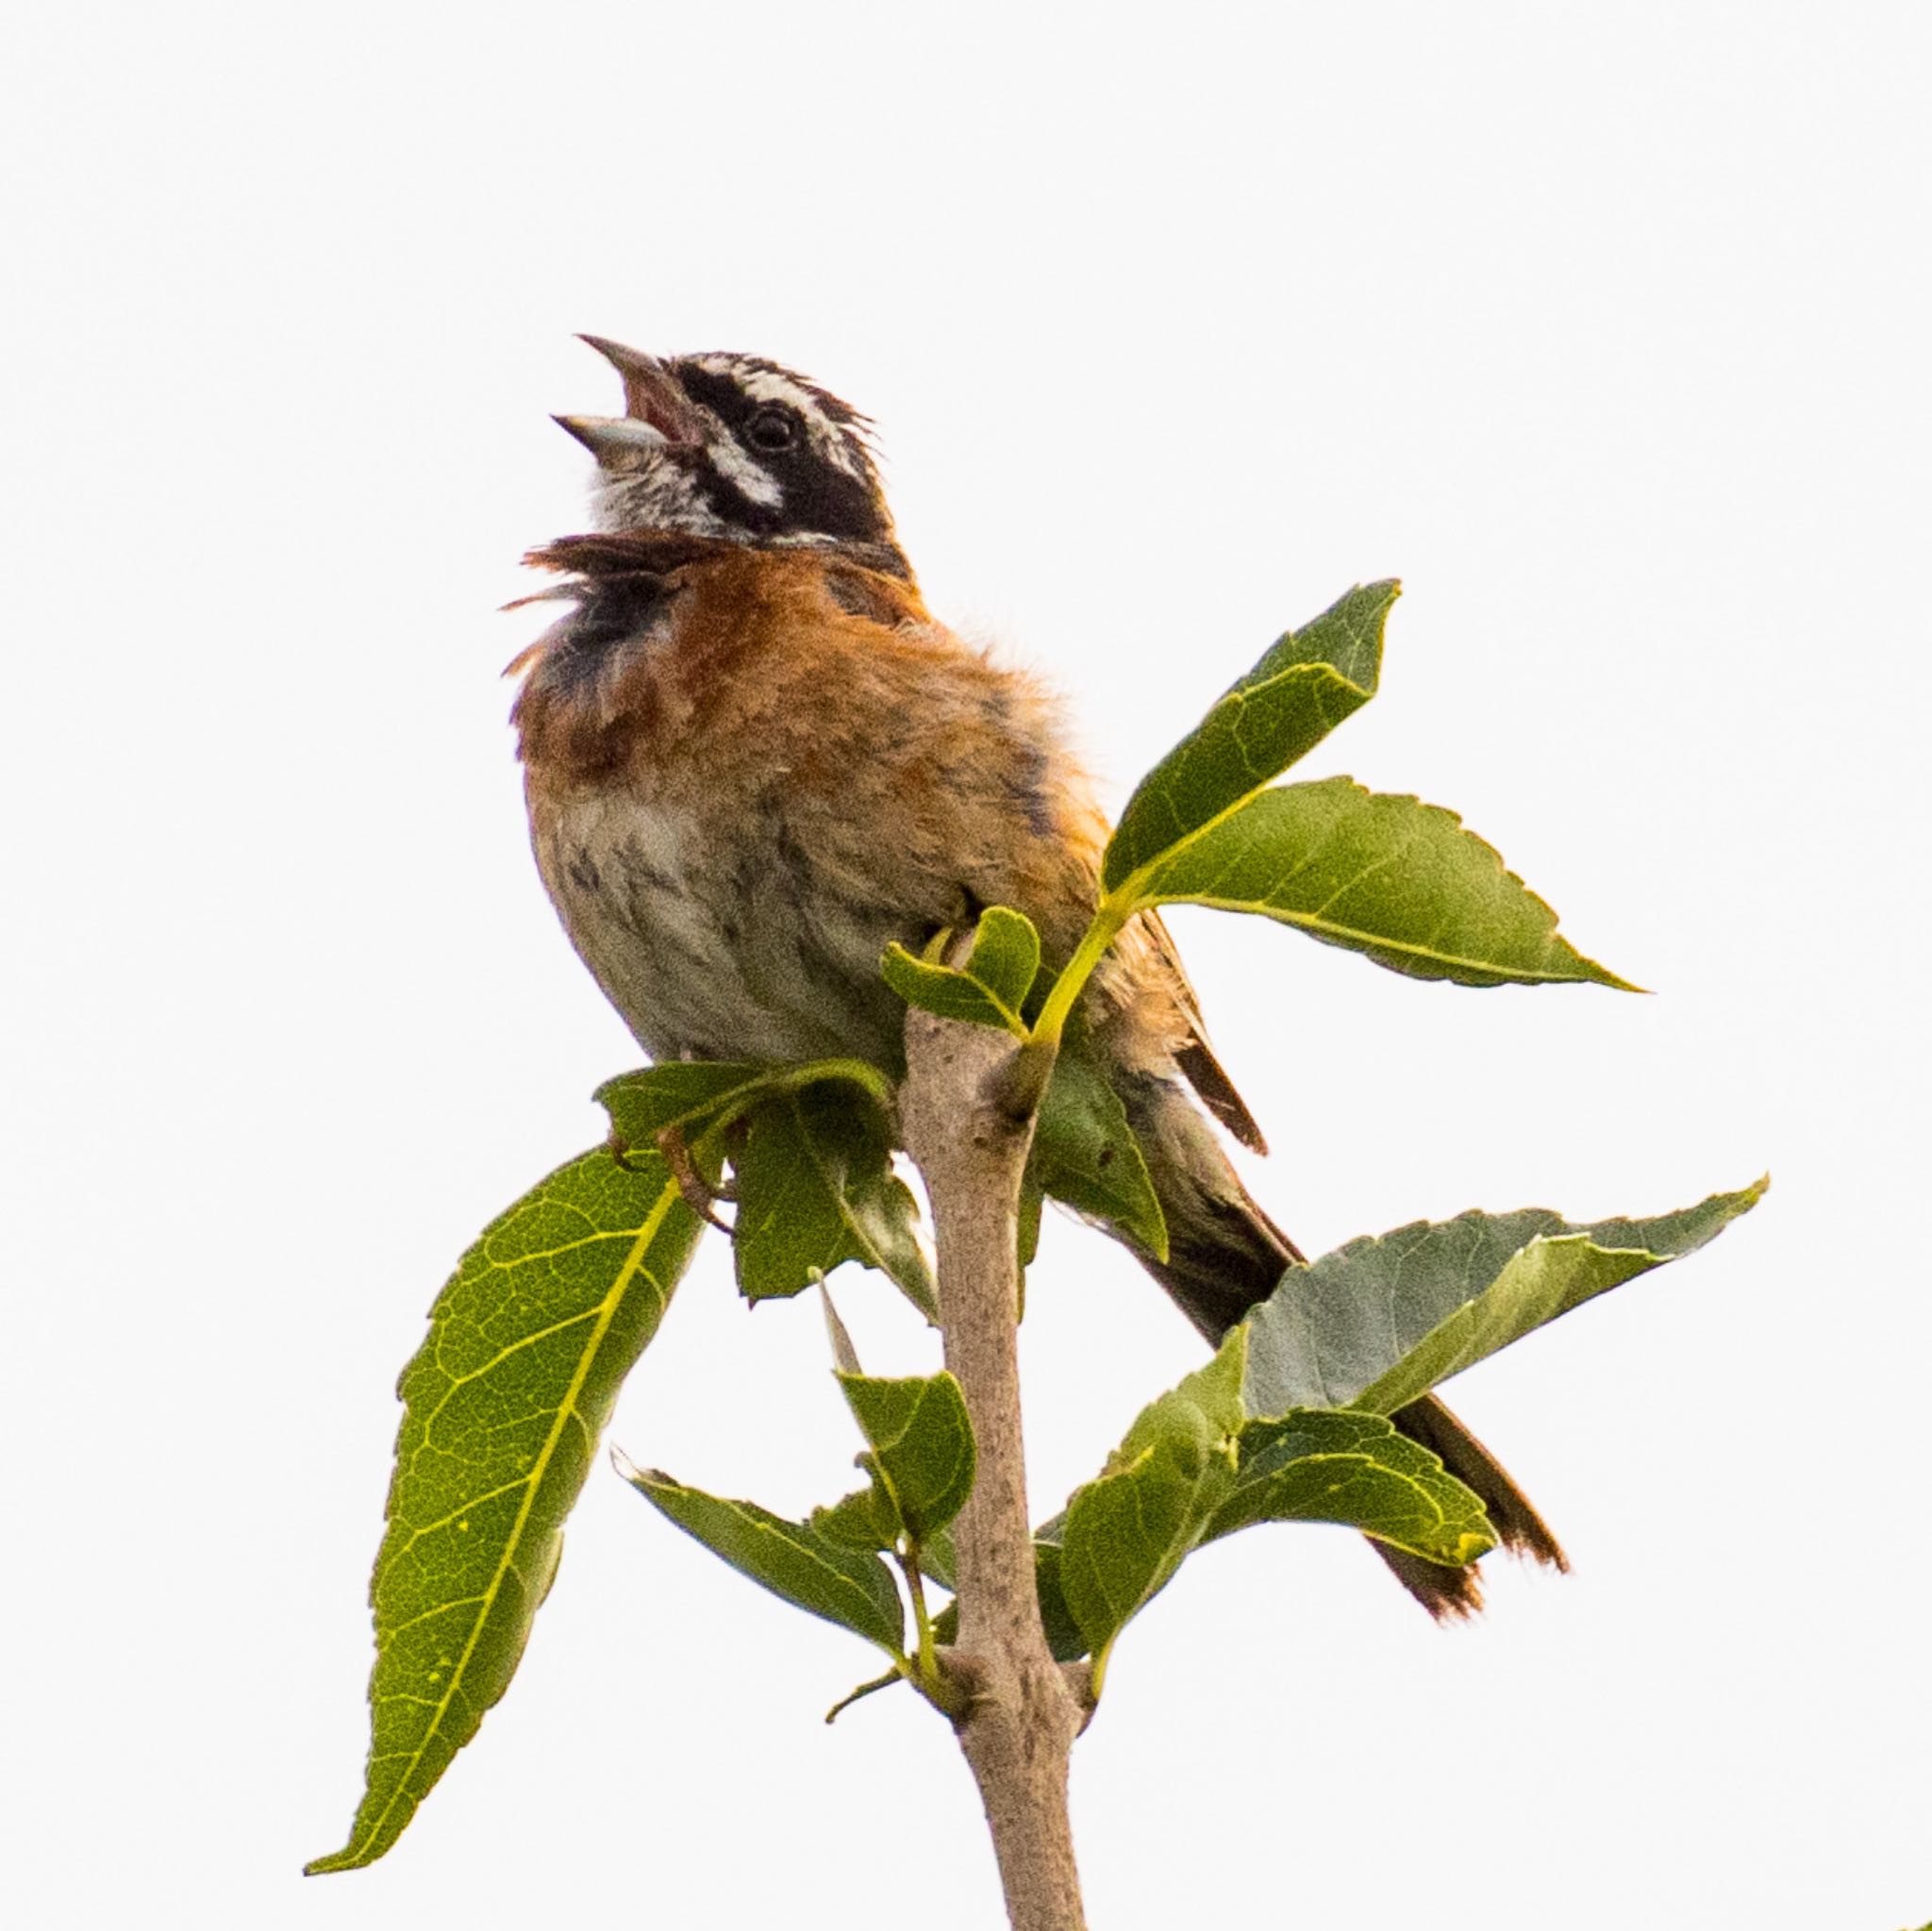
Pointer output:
653, 398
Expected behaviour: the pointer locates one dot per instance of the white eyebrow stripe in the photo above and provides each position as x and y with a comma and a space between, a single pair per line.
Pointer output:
739, 470
832, 442
840, 446
769, 385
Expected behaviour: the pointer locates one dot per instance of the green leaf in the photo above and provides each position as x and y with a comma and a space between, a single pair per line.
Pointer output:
793, 1560
816, 1189
1196, 1466
691, 1095
1206, 1408
946, 990
813, 1166
1126, 1532
696, 1096
937, 1559
1085, 1154
528, 1347
1063, 1637
921, 1445
1031, 1201
990, 990
1006, 956
1388, 877
844, 1355
1381, 1321
1301, 690
1319, 1465
863, 1520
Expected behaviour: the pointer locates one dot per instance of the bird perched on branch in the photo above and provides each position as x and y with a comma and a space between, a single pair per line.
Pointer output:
753, 757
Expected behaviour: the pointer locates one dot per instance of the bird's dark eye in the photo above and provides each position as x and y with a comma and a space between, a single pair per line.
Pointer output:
772, 430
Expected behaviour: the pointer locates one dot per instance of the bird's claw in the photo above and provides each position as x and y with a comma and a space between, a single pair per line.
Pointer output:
700, 1195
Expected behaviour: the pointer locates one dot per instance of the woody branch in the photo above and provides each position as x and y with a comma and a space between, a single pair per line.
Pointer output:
969, 1131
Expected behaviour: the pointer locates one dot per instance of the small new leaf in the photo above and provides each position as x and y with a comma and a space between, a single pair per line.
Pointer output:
947, 991
1390, 877
1381, 1321
1306, 685
1355, 1470
1085, 1154
796, 1560
1006, 956
921, 1447
503, 1404
989, 989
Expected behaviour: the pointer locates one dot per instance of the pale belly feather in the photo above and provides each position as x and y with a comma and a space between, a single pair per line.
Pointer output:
720, 948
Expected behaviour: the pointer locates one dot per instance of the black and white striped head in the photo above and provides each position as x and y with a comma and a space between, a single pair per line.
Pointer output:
732, 446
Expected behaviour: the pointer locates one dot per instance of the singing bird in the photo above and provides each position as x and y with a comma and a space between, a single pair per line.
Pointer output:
753, 757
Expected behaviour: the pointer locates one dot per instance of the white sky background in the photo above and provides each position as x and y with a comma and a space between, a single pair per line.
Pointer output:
1604, 327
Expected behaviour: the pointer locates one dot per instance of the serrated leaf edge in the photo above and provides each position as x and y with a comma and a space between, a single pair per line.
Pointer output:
1236, 697
647, 1481
349, 1856
1370, 943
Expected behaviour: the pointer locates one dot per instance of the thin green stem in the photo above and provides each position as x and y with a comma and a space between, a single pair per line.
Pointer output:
895, 1675
915, 1585
1097, 1673
1113, 913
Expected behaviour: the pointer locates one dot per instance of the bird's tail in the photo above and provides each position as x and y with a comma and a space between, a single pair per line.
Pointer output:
1224, 1254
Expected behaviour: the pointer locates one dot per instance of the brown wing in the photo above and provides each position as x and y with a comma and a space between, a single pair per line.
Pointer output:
1196, 1059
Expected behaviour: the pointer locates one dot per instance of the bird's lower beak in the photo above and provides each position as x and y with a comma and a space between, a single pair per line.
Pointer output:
614, 441
651, 392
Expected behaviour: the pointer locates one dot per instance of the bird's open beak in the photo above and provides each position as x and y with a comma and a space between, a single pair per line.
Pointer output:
612, 440
651, 392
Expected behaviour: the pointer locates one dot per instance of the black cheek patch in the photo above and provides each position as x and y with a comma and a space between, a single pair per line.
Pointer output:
823, 501
817, 499
735, 510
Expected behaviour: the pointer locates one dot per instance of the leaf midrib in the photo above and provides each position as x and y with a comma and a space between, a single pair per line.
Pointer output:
1126, 897
1370, 940
776, 1531
566, 1412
